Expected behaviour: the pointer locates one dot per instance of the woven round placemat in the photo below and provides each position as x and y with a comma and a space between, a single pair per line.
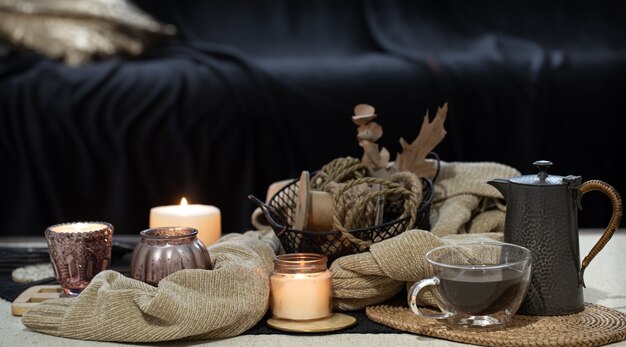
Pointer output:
596, 325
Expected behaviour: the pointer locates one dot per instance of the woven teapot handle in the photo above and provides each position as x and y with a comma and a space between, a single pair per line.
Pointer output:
610, 229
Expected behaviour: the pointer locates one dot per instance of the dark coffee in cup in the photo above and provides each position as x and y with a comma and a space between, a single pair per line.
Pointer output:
481, 293
479, 284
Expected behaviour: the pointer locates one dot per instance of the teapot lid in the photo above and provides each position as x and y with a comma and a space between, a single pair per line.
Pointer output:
542, 178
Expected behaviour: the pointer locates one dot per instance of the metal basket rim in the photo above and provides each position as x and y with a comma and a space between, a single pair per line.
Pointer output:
426, 203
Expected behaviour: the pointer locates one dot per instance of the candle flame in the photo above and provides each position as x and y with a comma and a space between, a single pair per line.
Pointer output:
183, 202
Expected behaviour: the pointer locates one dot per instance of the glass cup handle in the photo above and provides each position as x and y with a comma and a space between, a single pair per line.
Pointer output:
412, 299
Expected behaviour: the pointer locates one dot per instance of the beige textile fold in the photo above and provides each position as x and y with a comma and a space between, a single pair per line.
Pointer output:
462, 195
189, 304
463, 203
376, 276
80, 31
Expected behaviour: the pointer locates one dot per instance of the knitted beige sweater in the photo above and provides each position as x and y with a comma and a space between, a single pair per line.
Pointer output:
189, 304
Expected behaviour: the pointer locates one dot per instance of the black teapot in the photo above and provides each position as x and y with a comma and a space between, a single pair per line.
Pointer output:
541, 215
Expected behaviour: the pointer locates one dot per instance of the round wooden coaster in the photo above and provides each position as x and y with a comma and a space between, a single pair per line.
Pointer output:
335, 322
596, 325
32, 273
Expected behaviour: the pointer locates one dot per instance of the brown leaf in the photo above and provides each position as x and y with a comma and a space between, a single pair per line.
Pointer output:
372, 157
364, 109
369, 132
413, 156
363, 119
363, 114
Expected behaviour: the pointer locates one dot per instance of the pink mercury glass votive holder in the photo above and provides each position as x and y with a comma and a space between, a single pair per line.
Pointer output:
163, 251
78, 252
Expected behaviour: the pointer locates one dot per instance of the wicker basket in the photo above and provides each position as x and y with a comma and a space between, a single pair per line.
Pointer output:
279, 211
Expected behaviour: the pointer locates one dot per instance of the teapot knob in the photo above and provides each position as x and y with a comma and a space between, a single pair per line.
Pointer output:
543, 166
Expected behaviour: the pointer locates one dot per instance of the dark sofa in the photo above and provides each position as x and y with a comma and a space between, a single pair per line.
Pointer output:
252, 92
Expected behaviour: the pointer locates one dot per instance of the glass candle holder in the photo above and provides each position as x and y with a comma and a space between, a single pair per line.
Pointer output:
301, 287
163, 251
78, 252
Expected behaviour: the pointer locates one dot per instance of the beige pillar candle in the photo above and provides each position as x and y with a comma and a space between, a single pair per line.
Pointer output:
205, 218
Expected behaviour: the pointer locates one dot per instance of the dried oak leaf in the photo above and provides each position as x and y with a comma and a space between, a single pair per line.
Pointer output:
363, 114
413, 156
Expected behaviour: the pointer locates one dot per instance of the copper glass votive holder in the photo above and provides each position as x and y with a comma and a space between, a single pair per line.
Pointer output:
78, 252
163, 251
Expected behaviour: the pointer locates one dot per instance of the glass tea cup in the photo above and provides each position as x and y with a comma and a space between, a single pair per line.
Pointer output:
477, 284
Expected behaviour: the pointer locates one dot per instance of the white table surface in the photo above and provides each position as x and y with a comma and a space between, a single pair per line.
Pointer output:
605, 279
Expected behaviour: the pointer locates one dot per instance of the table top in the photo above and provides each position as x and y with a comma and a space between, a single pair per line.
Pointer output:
606, 285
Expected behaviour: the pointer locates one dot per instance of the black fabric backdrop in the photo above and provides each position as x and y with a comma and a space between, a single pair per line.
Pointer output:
255, 91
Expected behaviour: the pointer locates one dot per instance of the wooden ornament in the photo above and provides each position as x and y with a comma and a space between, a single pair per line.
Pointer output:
314, 209
335, 322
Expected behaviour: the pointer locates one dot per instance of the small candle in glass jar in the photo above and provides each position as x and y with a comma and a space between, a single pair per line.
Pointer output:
301, 287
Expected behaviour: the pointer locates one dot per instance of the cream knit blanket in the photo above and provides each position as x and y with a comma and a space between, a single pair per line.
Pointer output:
189, 304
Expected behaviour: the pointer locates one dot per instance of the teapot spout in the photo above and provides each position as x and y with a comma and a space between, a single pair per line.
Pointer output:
502, 185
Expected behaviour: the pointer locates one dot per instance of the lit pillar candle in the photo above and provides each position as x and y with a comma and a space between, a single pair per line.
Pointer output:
206, 219
301, 287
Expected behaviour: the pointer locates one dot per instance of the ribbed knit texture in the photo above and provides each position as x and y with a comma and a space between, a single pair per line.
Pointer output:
463, 203
376, 276
189, 304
